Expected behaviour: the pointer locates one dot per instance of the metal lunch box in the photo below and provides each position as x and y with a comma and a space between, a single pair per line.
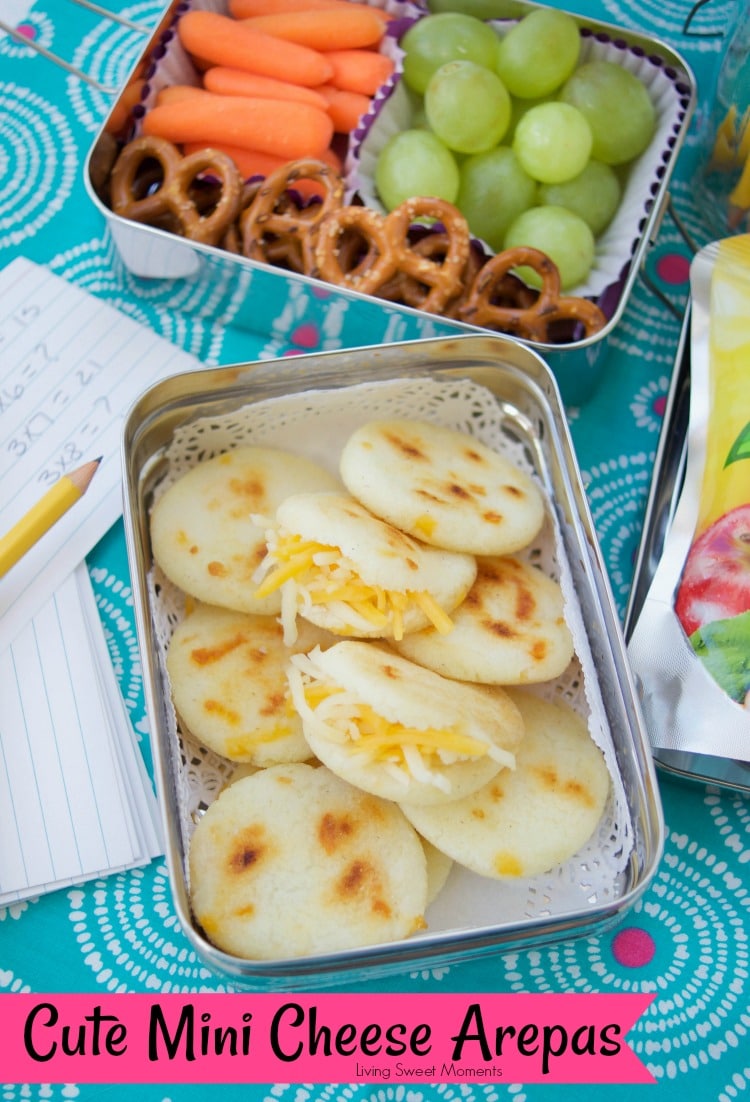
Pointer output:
156, 254
523, 393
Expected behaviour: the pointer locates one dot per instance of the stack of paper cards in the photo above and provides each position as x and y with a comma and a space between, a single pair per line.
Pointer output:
75, 800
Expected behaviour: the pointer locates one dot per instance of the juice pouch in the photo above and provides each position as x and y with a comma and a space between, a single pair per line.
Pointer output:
690, 648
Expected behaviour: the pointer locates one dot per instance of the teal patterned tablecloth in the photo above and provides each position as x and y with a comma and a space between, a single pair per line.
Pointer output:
686, 941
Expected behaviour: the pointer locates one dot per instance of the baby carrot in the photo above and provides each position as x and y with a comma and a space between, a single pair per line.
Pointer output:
281, 127
249, 161
129, 97
178, 93
345, 108
360, 71
322, 29
237, 82
231, 42
252, 163
245, 9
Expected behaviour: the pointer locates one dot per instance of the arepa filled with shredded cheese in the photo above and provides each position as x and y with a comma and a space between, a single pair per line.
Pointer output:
398, 730
344, 569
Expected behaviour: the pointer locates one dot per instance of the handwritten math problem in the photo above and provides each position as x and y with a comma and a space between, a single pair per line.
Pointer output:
70, 367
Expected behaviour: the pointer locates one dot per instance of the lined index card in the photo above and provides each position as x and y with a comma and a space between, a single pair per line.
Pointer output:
70, 367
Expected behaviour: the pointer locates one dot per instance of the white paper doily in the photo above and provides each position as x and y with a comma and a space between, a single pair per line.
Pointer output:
316, 424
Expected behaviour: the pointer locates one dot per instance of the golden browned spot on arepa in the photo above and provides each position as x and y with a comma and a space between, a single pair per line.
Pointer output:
252, 488
361, 881
525, 602
513, 491
256, 656
204, 656
474, 456
274, 702
492, 517
333, 830
390, 671
499, 628
489, 569
217, 569
407, 447
550, 778
216, 708
249, 848
399, 541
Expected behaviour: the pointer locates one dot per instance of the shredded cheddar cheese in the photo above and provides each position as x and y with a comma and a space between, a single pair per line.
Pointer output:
383, 740
326, 577
340, 716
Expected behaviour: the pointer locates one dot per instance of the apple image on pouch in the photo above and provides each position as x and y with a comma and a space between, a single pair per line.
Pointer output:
715, 583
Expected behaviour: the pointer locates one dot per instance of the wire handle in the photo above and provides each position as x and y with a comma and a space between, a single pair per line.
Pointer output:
692, 244
15, 34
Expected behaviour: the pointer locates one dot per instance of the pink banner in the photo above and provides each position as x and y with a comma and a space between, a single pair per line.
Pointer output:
95, 1038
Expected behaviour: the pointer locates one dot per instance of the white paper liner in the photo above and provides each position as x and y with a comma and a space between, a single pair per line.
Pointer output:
316, 424
684, 707
618, 243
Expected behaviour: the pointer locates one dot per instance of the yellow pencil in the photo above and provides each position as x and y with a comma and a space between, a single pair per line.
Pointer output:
47, 511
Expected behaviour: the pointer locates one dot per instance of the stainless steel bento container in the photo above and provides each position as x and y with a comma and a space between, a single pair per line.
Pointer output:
523, 392
578, 366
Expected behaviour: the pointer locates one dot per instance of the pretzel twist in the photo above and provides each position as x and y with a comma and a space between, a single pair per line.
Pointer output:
388, 261
354, 250
172, 193
485, 306
442, 275
275, 229
409, 291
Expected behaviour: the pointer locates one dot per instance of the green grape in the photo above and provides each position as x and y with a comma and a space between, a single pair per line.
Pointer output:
539, 53
416, 113
519, 108
559, 233
415, 162
594, 195
618, 108
467, 106
494, 190
553, 142
446, 36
